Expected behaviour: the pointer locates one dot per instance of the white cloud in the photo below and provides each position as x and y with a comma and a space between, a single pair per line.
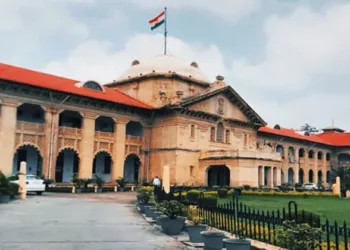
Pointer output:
226, 9
98, 61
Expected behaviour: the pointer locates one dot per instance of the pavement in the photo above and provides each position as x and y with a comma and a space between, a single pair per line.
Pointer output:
79, 221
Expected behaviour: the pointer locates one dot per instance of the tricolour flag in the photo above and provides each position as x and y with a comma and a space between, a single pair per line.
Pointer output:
157, 21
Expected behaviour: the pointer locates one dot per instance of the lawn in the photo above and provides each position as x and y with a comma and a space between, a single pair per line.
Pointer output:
327, 207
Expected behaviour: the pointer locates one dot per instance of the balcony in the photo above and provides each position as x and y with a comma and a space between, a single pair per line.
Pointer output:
255, 154
104, 136
69, 132
29, 127
131, 139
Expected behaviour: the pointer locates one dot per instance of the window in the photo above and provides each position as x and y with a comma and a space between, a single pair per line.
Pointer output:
191, 170
227, 138
245, 140
220, 132
212, 134
92, 85
193, 131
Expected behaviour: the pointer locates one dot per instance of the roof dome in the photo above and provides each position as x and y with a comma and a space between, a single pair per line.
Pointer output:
164, 64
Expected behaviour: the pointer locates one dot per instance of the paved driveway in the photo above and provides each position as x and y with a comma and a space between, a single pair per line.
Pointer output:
86, 221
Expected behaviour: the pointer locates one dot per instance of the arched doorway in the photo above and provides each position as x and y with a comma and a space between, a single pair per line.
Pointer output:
134, 128
67, 164
301, 176
102, 166
31, 156
311, 176
132, 165
218, 175
290, 176
319, 177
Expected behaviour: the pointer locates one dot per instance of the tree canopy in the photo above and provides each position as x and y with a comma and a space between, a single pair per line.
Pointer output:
308, 128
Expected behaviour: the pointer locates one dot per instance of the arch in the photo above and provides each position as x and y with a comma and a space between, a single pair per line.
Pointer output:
70, 118
32, 155
328, 176
311, 176
301, 175
67, 164
328, 157
134, 128
102, 165
28, 112
301, 152
218, 175
319, 177
132, 167
29, 144
93, 85
311, 154
291, 154
104, 124
220, 132
319, 155
290, 176
280, 149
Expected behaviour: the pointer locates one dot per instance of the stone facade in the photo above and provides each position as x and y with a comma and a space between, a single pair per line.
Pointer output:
205, 133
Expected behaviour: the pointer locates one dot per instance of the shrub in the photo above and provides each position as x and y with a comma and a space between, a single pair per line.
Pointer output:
300, 194
212, 193
194, 215
121, 182
145, 188
144, 196
210, 200
222, 192
192, 195
13, 188
310, 218
99, 181
173, 208
246, 187
295, 236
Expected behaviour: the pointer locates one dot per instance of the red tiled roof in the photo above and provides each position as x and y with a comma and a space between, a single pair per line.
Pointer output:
47, 81
329, 138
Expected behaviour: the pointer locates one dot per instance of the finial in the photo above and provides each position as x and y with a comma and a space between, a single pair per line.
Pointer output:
220, 78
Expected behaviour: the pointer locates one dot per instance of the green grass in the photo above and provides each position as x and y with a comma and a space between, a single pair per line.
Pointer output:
327, 207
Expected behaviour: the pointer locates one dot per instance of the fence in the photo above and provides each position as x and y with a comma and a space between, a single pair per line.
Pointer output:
237, 218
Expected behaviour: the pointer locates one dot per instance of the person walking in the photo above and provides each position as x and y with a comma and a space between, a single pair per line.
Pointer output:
156, 182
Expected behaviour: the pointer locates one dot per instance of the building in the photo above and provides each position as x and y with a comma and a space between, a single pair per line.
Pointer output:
160, 112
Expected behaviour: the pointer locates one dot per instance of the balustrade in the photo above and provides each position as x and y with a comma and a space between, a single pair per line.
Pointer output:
29, 127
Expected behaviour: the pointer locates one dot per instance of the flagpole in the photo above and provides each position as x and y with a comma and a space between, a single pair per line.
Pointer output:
165, 30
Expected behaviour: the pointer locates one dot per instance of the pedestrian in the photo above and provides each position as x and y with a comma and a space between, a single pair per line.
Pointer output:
156, 182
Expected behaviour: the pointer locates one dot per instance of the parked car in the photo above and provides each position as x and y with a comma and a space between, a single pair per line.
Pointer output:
34, 183
309, 186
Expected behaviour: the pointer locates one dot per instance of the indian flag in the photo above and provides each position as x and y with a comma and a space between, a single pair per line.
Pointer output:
157, 21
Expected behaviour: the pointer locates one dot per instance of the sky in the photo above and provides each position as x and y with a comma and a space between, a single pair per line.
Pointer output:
289, 59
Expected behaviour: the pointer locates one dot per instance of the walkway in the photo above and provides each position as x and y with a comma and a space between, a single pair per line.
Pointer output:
86, 221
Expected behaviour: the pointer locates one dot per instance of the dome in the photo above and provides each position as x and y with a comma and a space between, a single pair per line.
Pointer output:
164, 64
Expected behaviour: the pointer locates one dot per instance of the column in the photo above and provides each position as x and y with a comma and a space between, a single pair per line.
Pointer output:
279, 180
86, 152
49, 152
297, 165
8, 122
119, 156
269, 177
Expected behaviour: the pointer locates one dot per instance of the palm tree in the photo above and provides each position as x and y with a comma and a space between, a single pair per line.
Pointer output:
344, 174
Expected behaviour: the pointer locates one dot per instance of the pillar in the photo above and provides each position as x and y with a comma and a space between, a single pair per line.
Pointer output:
86, 152
22, 190
8, 122
50, 148
166, 179
269, 177
119, 155
261, 175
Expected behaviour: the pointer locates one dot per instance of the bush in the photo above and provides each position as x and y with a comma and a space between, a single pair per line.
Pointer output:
212, 193
300, 194
210, 200
246, 187
310, 218
173, 208
145, 188
192, 195
144, 196
295, 236
222, 192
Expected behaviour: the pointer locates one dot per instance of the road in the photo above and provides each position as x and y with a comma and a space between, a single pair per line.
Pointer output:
78, 221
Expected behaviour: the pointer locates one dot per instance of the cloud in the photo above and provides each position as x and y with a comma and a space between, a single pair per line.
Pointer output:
226, 9
98, 60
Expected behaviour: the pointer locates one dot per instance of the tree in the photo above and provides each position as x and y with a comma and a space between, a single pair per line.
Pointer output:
308, 128
344, 174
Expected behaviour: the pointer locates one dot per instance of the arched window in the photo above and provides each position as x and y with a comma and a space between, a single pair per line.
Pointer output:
93, 85
220, 132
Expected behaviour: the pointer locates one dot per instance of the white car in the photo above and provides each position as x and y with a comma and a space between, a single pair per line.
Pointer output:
34, 183
310, 186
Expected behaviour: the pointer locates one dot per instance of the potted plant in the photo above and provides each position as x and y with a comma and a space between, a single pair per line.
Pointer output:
5, 191
213, 239
195, 228
121, 183
238, 243
79, 183
99, 182
143, 197
172, 222
87, 181
159, 210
